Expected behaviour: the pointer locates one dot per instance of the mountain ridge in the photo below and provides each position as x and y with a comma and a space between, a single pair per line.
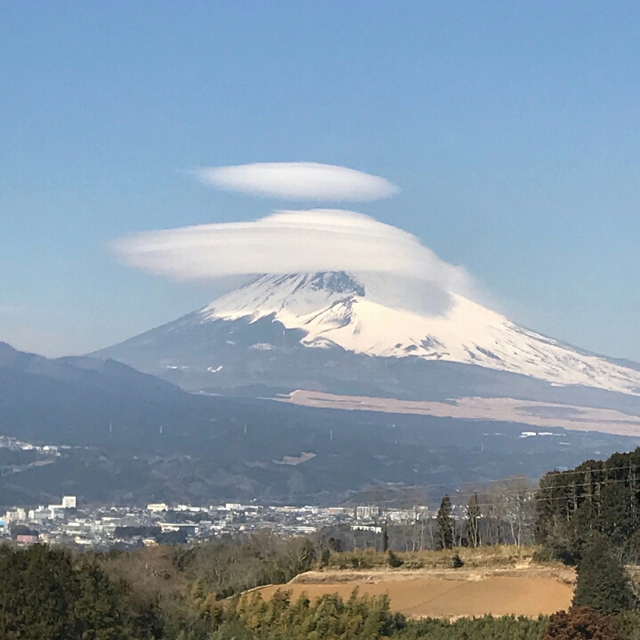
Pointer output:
297, 317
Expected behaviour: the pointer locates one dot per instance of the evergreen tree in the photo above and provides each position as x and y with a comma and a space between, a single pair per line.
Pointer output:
44, 594
597, 496
603, 584
445, 525
36, 587
473, 522
95, 609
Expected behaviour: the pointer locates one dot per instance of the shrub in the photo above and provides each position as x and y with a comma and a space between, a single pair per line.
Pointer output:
580, 623
394, 560
457, 561
544, 554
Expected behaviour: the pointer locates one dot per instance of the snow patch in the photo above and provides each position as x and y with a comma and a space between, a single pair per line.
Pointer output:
262, 346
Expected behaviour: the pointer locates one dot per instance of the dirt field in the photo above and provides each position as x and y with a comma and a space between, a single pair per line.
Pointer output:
446, 596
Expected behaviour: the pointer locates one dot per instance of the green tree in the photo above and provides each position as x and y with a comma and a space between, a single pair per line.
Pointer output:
595, 497
45, 594
36, 588
445, 525
603, 584
95, 610
327, 617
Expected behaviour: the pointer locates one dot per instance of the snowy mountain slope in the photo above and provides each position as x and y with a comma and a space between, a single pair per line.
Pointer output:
370, 335
385, 317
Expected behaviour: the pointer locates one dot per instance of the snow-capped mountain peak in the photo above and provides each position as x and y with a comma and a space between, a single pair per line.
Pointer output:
295, 294
383, 316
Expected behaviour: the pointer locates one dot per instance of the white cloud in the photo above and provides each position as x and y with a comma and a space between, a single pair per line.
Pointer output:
289, 242
299, 181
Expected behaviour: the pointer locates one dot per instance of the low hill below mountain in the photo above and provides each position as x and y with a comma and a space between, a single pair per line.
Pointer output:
127, 437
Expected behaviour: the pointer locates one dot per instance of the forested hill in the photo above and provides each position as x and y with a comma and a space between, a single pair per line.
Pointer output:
130, 436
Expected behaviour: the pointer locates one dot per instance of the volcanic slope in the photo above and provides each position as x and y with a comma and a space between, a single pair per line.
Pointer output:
370, 334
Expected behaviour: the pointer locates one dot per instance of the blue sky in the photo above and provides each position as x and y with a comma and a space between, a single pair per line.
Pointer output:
511, 128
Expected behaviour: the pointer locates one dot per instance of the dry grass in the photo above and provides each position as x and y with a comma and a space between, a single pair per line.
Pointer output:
483, 557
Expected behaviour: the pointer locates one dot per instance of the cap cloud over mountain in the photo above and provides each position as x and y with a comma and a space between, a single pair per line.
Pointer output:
341, 302
291, 241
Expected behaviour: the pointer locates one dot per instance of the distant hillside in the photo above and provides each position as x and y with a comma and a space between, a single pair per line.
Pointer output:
130, 437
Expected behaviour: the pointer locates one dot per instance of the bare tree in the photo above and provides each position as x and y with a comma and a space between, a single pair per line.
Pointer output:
473, 521
510, 511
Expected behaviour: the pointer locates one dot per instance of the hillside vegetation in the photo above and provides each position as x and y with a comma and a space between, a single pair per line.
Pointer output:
207, 591
499, 556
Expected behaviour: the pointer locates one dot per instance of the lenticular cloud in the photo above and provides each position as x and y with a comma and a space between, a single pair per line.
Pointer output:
299, 181
289, 242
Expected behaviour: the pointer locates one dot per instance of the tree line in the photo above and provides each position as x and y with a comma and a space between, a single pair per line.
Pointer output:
51, 594
597, 497
204, 593
561, 514
502, 513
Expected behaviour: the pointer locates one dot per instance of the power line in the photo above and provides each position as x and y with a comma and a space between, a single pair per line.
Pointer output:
491, 483
531, 493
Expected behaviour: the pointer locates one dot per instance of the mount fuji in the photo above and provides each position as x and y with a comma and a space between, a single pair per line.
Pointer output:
373, 335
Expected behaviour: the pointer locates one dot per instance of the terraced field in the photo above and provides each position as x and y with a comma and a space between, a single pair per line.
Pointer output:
447, 594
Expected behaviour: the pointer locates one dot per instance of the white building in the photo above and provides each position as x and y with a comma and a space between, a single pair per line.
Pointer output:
157, 507
17, 515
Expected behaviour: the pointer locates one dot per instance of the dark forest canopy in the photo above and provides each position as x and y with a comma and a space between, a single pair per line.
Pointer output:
600, 497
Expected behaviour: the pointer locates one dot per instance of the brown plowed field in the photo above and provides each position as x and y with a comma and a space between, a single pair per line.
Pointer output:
447, 598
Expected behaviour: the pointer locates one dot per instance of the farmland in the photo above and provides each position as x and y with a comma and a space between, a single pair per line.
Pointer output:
498, 582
